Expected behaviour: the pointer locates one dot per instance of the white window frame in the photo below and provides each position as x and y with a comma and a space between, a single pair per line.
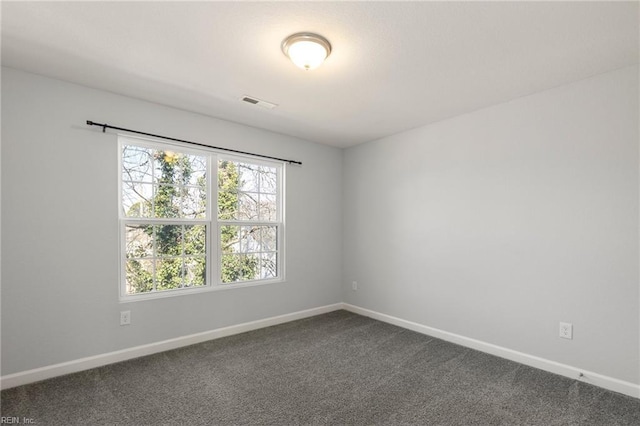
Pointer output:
212, 223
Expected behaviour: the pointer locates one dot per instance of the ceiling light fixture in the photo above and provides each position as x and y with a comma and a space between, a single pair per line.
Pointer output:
306, 50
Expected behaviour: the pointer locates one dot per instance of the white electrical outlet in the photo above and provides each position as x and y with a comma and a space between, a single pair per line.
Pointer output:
125, 317
354, 285
566, 330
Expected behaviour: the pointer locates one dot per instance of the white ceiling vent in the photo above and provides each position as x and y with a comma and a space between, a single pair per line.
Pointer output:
258, 102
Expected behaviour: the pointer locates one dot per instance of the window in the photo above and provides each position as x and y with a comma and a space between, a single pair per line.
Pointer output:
248, 217
182, 231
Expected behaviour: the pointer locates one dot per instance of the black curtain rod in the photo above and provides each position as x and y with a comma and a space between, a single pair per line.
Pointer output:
106, 126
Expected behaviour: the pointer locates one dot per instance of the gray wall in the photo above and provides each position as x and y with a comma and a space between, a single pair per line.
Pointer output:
60, 226
498, 224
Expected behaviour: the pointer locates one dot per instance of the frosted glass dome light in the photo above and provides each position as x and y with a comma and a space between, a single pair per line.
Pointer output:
306, 50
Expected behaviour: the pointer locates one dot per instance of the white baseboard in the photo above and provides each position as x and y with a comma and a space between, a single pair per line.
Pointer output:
43, 373
38, 374
596, 379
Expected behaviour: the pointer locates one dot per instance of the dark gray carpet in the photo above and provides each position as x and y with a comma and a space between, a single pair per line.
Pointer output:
338, 369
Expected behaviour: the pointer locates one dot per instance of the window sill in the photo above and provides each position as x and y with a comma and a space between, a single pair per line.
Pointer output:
196, 290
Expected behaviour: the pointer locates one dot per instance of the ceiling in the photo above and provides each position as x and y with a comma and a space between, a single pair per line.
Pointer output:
394, 65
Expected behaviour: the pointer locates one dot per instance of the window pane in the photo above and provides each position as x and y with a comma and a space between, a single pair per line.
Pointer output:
171, 167
195, 272
136, 199
268, 180
268, 238
230, 239
139, 241
198, 170
230, 270
268, 207
181, 185
166, 202
250, 267
194, 203
177, 252
268, 266
228, 177
247, 192
168, 240
248, 252
256, 178
250, 239
139, 276
195, 239
227, 205
249, 177
248, 206
168, 274
137, 164
163, 183
240, 267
